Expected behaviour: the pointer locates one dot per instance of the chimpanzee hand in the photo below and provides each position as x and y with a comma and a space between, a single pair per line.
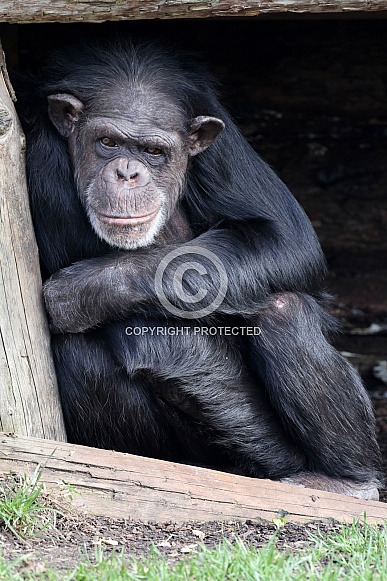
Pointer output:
92, 292
68, 295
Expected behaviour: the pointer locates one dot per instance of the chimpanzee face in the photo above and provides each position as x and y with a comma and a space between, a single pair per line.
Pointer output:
130, 162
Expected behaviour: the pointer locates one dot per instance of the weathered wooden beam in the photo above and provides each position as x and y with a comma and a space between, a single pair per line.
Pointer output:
29, 401
125, 486
23, 11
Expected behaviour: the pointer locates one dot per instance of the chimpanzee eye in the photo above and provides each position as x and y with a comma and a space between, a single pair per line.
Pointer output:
108, 142
153, 150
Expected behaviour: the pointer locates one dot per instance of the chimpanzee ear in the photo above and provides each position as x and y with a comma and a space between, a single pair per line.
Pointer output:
204, 131
64, 111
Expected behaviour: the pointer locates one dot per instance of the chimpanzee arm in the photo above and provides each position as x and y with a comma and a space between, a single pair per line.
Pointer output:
258, 257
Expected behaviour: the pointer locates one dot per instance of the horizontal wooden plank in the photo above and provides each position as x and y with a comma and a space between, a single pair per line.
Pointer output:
122, 485
23, 11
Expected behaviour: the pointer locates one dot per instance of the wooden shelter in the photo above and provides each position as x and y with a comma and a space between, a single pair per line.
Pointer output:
112, 483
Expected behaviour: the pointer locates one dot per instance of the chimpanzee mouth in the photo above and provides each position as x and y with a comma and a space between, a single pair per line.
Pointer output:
127, 220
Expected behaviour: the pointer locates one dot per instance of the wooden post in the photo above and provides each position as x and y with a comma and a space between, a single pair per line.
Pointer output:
29, 400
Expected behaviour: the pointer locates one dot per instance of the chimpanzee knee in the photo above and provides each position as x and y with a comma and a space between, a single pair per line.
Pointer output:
297, 310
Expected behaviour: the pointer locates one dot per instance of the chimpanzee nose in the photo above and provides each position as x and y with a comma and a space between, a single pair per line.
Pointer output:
133, 172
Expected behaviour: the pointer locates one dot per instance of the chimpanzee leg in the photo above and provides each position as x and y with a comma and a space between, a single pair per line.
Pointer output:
318, 395
103, 406
204, 377
178, 398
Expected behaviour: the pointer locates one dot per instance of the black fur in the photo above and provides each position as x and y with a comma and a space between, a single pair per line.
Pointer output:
271, 405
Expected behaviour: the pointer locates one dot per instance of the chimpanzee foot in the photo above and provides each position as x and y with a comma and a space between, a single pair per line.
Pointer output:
365, 490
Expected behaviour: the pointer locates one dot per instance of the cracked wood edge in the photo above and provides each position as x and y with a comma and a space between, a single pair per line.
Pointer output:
28, 11
125, 486
29, 400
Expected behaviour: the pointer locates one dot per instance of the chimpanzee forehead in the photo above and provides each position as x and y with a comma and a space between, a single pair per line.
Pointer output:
137, 130
138, 106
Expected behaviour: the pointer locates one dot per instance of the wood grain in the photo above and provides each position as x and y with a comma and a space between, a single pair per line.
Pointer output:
126, 486
23, 11
29, 401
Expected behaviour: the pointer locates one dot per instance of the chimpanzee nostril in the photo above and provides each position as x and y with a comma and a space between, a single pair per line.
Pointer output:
123, 175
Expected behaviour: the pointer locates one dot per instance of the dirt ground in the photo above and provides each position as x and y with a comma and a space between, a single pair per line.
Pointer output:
79, 536
311, 96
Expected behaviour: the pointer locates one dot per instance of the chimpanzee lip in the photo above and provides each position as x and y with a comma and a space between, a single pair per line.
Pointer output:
127, 220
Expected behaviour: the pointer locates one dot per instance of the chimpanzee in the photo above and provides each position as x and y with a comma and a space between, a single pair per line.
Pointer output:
148, 206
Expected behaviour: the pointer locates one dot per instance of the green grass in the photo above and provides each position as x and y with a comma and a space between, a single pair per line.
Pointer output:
357, 552
21, 508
